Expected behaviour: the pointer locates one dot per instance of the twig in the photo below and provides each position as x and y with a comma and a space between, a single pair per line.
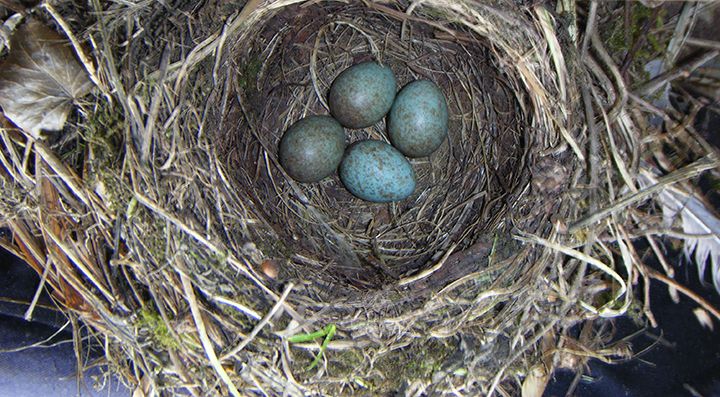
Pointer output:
81, 265
614, 151
604, 311
711, 44
661, 257
555, 50
248, 9
73, 182
665, 265
705, 163
594, 146
567, 9
38, 291
212, 43
686, 291
202, 333
261, 324
621, 90
518, 353
427, 272
589, 28
147, 133
207, 243
666, 232
37, 344
33, 254
248, 311
646, 282
684, 70
684, 26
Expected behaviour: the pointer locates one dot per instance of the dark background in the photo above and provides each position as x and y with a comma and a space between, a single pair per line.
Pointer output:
684, 362
47, 370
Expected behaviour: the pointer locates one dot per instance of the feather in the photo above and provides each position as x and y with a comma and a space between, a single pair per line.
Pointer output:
696, 219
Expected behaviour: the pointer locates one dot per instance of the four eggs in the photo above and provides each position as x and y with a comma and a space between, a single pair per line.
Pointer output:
417, 123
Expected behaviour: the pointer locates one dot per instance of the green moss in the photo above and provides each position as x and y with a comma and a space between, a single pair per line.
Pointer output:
603, 298
418, 361
636, 313
654, 45
249, 74
159, 333
104, 129
155, 238
272, 247
102, 136
713, 182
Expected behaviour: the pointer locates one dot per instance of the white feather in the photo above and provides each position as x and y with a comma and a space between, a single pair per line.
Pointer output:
696, 219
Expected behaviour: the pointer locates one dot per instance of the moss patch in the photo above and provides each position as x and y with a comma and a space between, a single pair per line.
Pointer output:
159, 333
419, 361
655, 41
102, 138
249, 74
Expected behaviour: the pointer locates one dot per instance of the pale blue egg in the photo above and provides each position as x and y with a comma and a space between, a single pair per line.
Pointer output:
377, 172
418, 121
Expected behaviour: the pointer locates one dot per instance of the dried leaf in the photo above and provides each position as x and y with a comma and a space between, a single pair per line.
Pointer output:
703, 318
535, 383
40, 79
145, 388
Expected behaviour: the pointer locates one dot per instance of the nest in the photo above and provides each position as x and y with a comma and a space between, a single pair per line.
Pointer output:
194, 259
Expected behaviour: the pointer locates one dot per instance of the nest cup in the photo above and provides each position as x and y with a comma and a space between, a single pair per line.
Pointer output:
281, 71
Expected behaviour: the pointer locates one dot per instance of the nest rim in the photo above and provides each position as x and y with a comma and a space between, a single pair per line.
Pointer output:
462, 149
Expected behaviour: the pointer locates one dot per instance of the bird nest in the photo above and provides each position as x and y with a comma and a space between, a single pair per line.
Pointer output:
201, 266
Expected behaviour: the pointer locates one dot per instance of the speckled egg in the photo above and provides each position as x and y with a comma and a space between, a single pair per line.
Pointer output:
312, 148
418, 121
362, 94
377, 172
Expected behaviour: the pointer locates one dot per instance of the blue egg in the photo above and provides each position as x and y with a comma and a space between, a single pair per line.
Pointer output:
377, 172
418, 121
312, 148
362, 94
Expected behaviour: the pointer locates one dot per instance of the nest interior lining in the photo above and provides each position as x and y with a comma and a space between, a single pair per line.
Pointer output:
463, 188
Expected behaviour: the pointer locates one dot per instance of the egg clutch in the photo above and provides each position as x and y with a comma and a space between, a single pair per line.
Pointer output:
417, 124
